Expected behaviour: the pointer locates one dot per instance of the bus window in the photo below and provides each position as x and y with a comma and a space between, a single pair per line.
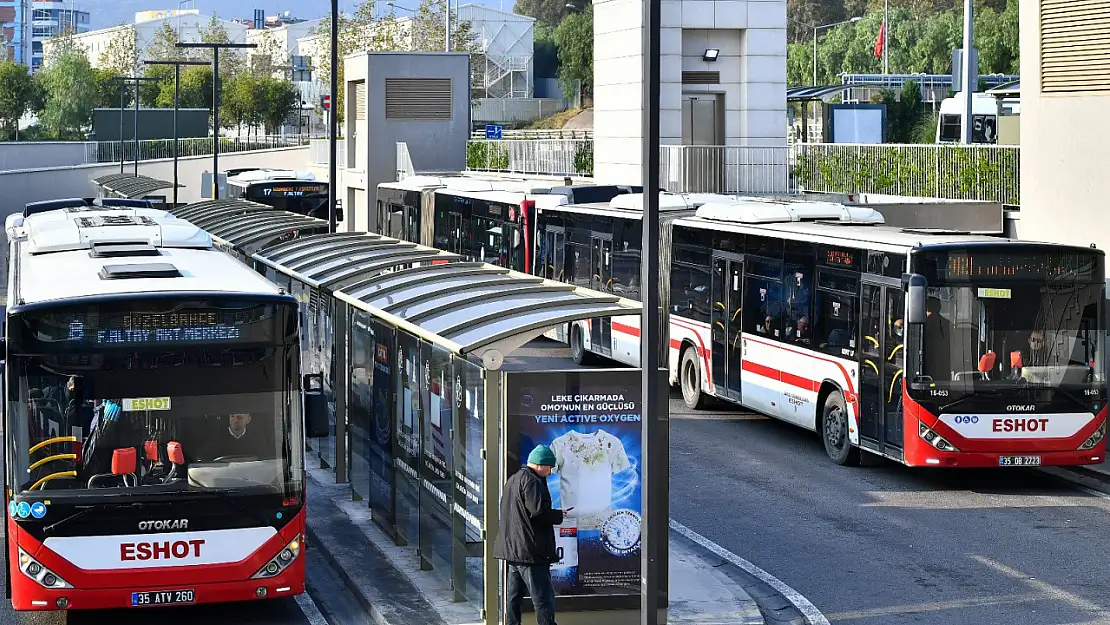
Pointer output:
763, 311
949, 128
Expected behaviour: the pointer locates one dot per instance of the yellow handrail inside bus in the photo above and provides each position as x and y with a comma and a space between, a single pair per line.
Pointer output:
43, 481
718, 323
738, 311
51, 441
868, 362
872, 339
894, 351
737, 338
720, 304
897, 373
47, 459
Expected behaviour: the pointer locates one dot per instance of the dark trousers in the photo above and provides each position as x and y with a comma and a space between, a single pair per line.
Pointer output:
536, 580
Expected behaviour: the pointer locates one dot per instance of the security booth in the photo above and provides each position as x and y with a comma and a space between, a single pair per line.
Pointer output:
242, 227
433, 406
132, 187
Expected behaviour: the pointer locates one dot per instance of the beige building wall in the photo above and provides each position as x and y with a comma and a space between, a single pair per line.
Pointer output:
1065, 140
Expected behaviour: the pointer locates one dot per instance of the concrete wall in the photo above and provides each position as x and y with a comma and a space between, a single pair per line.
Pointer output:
31, 154
751, 38
32, 185
1064, 153
434, 144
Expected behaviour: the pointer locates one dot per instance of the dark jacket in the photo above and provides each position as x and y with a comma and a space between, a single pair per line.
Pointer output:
527, 532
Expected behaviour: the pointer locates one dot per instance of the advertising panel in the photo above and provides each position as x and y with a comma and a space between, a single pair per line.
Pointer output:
591, 420
381, 439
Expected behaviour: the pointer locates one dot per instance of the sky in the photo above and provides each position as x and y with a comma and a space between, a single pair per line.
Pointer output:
106, 13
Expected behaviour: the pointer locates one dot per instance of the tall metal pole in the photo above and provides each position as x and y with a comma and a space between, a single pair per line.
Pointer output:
965, 77
215, 123
447, 26
137, 82
122, 89
333, 121
176, 96
654, 425
886, 36
814, 83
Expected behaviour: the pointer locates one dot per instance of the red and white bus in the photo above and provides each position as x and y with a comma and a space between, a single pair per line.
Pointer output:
928, 347
153, 436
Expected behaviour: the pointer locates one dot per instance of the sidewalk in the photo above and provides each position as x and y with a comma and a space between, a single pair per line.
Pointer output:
387, 581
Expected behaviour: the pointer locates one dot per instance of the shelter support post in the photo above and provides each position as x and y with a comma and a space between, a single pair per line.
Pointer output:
492, 460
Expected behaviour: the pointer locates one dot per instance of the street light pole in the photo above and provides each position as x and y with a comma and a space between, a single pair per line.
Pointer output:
176, 104
333, 120
216, 47
122, 88
817, 29
123, 81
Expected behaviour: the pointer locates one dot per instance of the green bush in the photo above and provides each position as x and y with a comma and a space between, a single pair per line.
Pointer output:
951, 172
486, 155
584, 159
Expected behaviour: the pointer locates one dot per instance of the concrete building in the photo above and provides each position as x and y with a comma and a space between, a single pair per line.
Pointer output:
49, 19
189, 27
723, 78
421, 98
15, 30
1065, 149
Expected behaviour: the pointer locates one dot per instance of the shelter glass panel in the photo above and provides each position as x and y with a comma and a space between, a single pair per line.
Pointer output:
435, 496
469, 473
406, 441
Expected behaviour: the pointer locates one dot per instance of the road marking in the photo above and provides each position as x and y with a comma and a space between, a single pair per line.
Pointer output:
812, 615
1048, 589
310, 610
918, 608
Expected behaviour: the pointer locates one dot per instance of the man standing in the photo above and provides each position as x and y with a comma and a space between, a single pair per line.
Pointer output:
526, 538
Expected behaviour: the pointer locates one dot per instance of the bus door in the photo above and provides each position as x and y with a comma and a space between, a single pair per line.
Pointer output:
454, 233
601, 259
881, 357
726, 321
396, 222
551, 254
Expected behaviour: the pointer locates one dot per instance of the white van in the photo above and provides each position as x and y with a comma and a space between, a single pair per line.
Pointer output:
984, 120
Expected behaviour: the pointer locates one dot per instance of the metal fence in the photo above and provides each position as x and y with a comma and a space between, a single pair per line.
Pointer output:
151, 149
972, 172
977, 172
319, 153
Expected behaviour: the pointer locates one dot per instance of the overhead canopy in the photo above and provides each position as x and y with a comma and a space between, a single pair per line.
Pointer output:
471, 308
1006, 90
248, 226
804, 94
130, 185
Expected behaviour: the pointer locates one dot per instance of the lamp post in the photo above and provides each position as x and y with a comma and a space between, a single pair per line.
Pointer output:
123, 81
216, 47
817, 29
176, 97
333, 119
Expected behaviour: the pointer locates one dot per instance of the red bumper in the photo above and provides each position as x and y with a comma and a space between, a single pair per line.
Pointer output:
972, 460
28, 595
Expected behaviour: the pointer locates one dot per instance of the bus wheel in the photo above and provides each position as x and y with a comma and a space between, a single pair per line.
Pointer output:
689, 378
578, 347
834, 430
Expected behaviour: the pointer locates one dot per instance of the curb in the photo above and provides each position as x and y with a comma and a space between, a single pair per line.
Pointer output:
348, 583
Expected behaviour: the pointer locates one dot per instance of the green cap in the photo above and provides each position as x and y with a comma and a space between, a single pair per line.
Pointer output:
542, 456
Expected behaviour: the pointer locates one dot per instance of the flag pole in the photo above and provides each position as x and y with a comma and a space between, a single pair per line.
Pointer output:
886, 36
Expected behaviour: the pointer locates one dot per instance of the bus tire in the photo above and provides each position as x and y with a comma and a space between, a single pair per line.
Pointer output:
578, 351
689, 379
834, 430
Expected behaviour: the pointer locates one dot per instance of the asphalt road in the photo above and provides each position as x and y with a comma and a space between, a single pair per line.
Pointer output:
887, 544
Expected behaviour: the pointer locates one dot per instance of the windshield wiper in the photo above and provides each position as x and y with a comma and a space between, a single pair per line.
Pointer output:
53, 527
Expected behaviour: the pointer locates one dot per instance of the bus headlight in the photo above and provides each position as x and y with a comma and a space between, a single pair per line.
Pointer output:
282, 560
1095, 438
43, 576
934, 439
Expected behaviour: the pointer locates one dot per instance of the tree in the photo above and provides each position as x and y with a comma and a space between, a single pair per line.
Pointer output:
163, 45
427, 29
280, 98
70, 91
549, 12
16, 96
574, 39
195, 90
150, 92
107, 92
121, 56
545, 53
231, 61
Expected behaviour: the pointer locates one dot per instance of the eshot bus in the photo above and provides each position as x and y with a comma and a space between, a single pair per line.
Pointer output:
294, 191
132, 348
928, 347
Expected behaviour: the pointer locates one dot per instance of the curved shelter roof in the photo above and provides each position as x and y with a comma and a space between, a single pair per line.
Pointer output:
130, 185
470, 308
248, 226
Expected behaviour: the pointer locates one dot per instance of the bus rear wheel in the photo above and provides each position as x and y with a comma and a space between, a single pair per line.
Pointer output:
578, 351
689, 378
834, 430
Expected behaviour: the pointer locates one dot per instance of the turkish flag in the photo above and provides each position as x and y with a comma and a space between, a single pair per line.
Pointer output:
880, 41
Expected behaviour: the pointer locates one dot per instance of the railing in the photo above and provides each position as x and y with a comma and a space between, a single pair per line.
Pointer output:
724, 169
318, 151
557, 157
974, 172
404, 161
536, 133
151, 149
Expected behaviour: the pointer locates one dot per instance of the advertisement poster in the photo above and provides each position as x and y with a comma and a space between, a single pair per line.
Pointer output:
592, 423
381, 439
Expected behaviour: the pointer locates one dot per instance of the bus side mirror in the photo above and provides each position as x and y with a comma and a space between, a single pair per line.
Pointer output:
915, 298
315, 406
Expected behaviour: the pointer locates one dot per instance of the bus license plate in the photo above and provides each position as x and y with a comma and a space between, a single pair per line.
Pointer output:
1019, 461
162, 597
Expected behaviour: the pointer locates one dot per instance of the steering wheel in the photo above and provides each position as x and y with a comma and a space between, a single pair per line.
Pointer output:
237, 458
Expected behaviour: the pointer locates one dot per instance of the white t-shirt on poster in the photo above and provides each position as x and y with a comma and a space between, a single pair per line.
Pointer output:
586, 464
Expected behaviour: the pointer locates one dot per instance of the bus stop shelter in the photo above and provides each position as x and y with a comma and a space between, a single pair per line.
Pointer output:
244, 227
130, 186
427, 415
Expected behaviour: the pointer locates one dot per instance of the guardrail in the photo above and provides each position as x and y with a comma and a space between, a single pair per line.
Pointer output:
536, 133
558, 157
151, 149
959, 172
724, 169
318, 151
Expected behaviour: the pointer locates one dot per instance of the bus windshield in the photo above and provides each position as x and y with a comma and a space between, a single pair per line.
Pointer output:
152, 419
999, 327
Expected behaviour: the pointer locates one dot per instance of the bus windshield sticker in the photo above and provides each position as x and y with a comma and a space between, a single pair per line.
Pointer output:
138, 404
988, 293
